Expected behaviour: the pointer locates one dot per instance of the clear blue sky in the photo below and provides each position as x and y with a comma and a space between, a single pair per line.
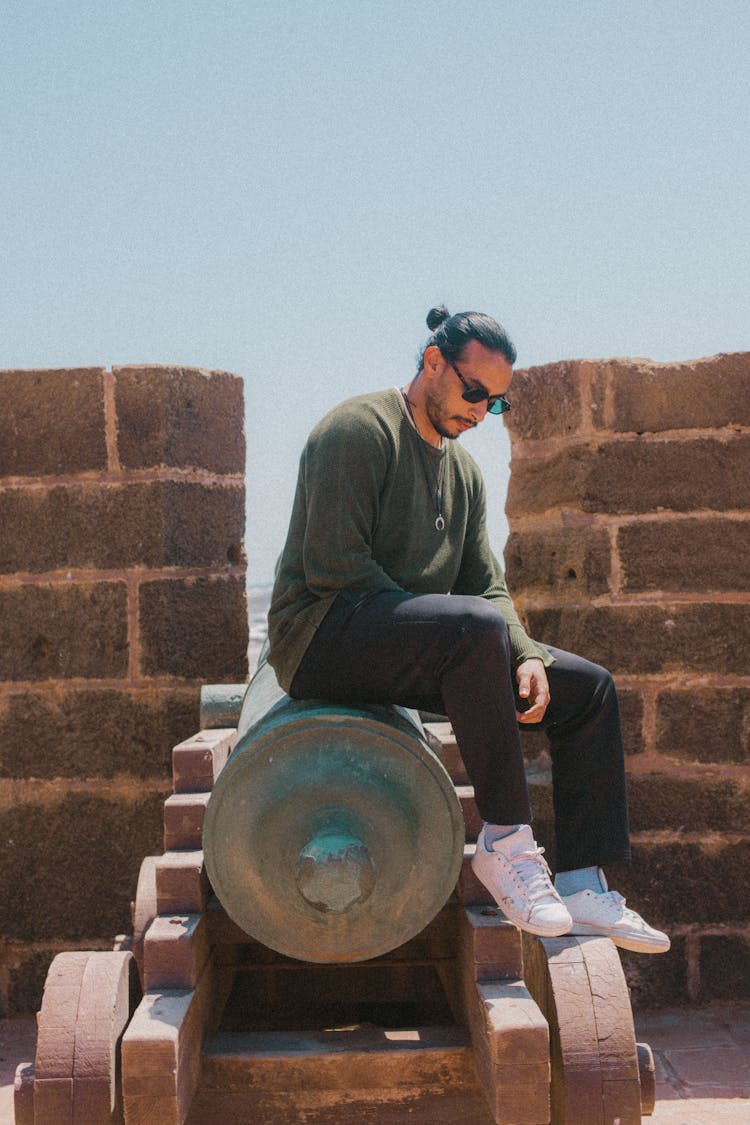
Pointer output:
282, 189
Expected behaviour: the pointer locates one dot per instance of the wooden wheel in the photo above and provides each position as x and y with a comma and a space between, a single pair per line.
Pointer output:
88, 1000
580, 987
144, 908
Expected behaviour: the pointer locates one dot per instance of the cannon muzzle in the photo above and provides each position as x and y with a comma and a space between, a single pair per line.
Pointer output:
333, 833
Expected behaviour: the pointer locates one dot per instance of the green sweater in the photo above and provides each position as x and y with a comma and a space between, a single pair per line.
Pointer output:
364, 518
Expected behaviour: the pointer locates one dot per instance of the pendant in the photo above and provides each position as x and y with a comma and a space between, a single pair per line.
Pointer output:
440, 523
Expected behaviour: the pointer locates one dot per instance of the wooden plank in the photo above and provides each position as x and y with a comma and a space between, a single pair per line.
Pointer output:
472, 816
198, 761
493, 943
183, 820
175, 951
144, 908
442, 742
161, 1053
182, 885
580, 986
103, 1013
23, 1094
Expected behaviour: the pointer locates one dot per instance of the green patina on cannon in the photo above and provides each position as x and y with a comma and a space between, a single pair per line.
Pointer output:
313, 947
333, 833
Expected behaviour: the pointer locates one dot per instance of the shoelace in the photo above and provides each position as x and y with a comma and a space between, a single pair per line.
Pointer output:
618, 900
534, 873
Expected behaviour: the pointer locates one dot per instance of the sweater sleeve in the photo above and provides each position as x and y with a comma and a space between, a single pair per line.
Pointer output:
342, 472
481, 574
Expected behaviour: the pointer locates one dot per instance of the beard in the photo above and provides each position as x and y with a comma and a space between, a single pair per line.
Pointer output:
449, 426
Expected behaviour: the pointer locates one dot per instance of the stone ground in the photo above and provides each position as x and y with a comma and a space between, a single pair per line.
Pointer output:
702, 1063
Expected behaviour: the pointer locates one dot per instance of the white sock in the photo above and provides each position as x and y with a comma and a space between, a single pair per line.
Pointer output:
493, 832
581, 879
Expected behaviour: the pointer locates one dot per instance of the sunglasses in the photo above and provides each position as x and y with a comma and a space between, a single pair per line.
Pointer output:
475, 392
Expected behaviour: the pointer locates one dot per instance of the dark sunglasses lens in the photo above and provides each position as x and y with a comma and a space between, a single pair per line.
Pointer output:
499, 406
474, 394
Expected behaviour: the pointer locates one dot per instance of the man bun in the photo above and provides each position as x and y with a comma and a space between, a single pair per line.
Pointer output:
436, 316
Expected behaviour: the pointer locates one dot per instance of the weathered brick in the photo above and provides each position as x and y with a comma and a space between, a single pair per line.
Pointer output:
51, 421
698, 804
563, 561
549, 483
71, 733
180, 416
631, 719
195, 627
630, 475
159, 523
546, 401
26, 981
693, 554
50, 632
70, 869
650, 638
649, 397
725, 967
704, 724
657, 982
682, 883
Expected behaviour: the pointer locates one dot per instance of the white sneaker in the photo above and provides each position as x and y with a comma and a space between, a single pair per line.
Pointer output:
517, 877
606, 915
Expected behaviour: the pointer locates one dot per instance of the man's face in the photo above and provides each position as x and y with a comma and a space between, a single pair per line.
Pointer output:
450, 414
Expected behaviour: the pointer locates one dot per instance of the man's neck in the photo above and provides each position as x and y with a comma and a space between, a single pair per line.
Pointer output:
415, 406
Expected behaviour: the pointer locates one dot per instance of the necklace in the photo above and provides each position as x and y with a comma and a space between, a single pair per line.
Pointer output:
439, 518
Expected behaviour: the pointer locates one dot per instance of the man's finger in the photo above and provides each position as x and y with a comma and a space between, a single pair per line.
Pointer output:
535, 714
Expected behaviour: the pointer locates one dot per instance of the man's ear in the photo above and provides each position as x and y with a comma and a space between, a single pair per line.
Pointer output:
433, 357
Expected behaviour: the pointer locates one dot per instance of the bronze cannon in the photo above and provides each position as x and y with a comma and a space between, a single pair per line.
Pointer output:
312, 946
314, 825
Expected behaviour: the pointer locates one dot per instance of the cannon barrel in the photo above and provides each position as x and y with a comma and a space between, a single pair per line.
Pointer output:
333, 833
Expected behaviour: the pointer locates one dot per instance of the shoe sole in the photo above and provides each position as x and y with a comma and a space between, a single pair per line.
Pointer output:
633, 945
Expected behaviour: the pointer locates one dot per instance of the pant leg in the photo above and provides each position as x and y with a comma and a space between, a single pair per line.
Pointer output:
434, 652
582, 724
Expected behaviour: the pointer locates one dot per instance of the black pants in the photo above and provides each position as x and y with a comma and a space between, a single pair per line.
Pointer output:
450, 654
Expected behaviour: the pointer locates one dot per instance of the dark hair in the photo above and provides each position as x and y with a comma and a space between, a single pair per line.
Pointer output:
451, 334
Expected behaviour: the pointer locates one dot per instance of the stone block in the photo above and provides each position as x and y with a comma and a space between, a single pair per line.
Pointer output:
631, 475
657, 982
546, 402
26, 980
547, 484
700, 555
564, 562
61, 631
650, 638
706, 393
93, 733
180, 417
710, 724
157, 523
694, 804
725, 967
70, 868
682, 883
195, 628
52, 422
631, 719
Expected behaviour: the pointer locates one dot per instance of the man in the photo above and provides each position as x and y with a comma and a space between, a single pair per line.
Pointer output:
387, 591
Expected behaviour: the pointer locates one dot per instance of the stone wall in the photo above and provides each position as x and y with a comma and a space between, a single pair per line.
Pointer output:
629, 508
122, 589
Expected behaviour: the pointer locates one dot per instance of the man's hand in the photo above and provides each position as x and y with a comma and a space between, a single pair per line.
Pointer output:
532, 685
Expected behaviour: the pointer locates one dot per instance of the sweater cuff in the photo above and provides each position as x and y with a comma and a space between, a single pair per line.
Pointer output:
523, 648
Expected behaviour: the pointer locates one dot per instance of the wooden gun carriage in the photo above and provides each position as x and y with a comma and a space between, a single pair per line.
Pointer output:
313, 947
